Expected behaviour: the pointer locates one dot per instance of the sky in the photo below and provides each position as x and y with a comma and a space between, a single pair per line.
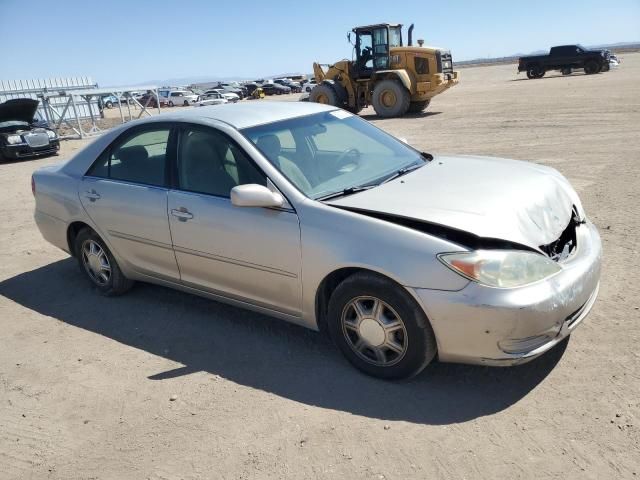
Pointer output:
128, 42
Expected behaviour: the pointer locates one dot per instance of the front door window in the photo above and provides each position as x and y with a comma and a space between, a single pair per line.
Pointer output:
209, 162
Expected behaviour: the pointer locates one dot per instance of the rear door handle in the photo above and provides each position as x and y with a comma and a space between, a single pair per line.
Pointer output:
182, 214
92, 195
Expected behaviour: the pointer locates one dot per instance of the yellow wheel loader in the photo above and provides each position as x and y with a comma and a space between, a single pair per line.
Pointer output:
394, 78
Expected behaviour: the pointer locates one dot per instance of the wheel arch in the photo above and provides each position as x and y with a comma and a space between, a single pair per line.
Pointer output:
330, 282
401, 75
73, 230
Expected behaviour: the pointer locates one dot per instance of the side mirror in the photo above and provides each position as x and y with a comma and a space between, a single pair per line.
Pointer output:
254, 195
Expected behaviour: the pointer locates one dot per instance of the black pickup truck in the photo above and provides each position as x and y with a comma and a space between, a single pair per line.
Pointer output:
565, 58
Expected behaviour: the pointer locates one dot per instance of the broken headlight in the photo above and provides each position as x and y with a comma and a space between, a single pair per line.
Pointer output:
501, 268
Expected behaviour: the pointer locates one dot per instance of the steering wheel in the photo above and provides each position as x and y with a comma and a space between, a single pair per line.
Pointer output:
349, 158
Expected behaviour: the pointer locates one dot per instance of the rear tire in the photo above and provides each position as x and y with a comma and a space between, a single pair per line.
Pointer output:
566, 71
392, 341
390, 99
325, 94
605, 67
417, 107
171, 103
98, 264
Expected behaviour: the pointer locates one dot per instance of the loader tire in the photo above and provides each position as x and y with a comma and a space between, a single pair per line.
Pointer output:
325, 94
390, 99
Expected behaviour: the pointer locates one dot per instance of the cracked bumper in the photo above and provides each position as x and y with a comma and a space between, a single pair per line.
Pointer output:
501, 327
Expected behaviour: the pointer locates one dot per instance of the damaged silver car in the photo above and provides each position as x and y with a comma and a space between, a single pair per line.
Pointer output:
313, 215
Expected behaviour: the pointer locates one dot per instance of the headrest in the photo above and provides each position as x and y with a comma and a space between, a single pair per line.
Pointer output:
270, 145
135, 153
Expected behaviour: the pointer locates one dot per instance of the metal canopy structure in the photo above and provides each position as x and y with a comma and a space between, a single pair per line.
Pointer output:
87, 96
34, 87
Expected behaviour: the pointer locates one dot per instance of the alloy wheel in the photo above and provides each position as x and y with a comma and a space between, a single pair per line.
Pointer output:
96, 262
374, 331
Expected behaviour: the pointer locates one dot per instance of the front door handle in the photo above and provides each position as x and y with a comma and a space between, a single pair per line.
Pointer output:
182, 214
92, 195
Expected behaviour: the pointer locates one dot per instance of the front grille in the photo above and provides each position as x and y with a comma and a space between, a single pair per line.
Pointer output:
445, 61
37, 139
37, 153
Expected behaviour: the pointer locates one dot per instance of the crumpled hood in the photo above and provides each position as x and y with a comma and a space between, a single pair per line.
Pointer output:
20, 109
489, 197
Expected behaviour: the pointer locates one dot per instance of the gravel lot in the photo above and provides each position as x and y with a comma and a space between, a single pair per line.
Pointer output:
86, 382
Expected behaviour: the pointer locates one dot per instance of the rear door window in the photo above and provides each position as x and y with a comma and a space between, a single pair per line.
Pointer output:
139, 158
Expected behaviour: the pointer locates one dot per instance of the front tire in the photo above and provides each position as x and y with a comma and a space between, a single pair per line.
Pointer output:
390, 99
379, 327
99, 265
535, 71
171, 103
592, 67
325, 94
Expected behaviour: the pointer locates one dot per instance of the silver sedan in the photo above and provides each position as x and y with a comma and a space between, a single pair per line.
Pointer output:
313, 215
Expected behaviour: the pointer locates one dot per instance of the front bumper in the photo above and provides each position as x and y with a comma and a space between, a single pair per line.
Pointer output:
23, 150
438, 83
501, 327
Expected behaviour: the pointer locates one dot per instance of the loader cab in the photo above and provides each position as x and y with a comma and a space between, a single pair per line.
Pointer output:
373, 44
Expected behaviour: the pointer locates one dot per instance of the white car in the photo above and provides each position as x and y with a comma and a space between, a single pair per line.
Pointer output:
231, 97
181, 97
213, 98
399, 255
308, 86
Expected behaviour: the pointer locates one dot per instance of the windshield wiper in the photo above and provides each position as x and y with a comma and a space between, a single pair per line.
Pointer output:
345, 192
403, 171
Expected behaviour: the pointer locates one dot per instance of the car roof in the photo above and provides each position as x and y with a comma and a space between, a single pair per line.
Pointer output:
250, 113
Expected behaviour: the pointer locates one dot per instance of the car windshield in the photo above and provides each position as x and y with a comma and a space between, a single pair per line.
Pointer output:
329, 152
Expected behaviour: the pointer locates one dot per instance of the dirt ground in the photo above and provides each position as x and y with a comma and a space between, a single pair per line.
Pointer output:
86, 382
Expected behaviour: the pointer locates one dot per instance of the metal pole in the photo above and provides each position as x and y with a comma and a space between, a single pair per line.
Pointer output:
129, 107
45, 105
158, 100
119, 106
94, 127
75, 112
